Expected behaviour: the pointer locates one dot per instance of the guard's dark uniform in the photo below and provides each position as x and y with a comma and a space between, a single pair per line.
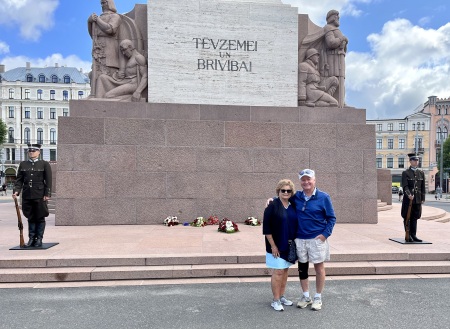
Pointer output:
34, 179
413, 183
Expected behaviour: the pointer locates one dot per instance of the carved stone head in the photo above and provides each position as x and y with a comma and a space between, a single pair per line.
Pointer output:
108, 5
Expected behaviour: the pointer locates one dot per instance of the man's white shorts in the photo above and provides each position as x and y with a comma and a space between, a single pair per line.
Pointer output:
312, 250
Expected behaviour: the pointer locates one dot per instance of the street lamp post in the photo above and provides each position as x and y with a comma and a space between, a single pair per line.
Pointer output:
3, 167
441, 156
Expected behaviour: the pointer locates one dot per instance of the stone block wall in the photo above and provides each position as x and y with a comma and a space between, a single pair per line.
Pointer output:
137, 163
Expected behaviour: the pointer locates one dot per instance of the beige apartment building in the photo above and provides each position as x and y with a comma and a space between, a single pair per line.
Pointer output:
421, 132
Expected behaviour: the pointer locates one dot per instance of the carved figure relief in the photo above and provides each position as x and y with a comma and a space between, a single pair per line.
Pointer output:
331, 46
108, 30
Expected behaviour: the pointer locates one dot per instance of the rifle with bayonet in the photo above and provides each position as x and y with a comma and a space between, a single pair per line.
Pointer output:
20, 224
407, 220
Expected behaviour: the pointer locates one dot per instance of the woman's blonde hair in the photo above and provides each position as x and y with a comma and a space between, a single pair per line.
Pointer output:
285, 182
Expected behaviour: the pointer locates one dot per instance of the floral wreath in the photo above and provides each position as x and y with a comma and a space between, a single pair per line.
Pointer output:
253, 221
213, 220
171, 221
227, 226
199, 222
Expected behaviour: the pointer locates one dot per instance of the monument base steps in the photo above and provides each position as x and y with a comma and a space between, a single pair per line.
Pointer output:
95, 270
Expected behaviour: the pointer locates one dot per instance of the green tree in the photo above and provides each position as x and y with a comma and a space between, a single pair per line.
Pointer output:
446, 155
3, 132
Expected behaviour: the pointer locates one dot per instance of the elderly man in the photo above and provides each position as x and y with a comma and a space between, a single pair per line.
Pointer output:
34, 180
316, 220
413, 184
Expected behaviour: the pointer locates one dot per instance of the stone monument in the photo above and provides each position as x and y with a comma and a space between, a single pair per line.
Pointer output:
222, 123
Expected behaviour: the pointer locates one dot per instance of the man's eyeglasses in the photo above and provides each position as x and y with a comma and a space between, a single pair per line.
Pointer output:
33, 150
286, 191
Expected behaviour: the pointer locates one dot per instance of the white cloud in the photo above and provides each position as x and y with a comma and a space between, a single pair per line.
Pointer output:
70, 61
32, 16
406, 65
4, 48
317, 10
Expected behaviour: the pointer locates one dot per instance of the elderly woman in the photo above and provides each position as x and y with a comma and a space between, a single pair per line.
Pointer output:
280, 226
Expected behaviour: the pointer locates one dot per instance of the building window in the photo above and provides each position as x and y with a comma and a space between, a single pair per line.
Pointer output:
52, 113
11, 135
40, 113
439, 111
67, 79
65, 112
53, 136
379, 127
379, 143
29, 78
11, 111
379, 162
401, 163
401, 143
52, 155
11, 93
423, 125
39, 94
390, 143
65, 95
402, 126
27, 93
414, 126
54, 79
418, 143
80, 94
52, 95
390, 162
26, 135
40, 136
390, 126
27, 113
41, 78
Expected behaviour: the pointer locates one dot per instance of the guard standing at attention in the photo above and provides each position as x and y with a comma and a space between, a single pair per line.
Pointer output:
413, 184
34, 180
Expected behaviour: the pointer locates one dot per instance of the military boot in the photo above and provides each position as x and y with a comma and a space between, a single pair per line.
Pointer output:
31, 234
40, 233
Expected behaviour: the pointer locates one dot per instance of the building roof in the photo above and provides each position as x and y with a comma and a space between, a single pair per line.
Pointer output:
21, 73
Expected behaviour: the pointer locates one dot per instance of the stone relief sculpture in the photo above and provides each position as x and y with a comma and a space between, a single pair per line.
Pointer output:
313, 89
128, 84
331, 45
107, 31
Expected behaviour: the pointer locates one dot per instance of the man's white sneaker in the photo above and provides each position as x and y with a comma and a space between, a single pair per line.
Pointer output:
276, 304
305, 301
317, 304
285, 301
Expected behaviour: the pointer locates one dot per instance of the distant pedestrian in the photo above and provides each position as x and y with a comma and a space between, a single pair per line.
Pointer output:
4, 189
439, 192
400, 194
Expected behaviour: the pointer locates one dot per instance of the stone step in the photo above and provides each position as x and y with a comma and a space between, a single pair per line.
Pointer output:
73, 274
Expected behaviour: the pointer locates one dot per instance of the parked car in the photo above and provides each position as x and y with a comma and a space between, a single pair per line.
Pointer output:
394, 189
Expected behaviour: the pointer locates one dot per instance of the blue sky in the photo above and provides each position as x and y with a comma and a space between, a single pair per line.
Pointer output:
398, 52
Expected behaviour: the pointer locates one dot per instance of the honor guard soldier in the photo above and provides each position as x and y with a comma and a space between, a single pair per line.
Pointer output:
34, 180
413, 184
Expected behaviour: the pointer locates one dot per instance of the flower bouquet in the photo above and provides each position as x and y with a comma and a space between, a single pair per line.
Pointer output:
253, 221
199, 222
213, 220
171, 221
227, 226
